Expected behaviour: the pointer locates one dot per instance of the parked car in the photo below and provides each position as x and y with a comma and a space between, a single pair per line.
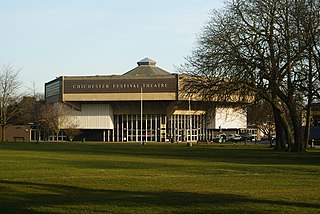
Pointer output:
230, 137
233, 137
237, 137
221, 137
246, 136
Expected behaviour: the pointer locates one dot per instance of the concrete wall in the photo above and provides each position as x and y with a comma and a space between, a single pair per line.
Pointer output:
230, 118
92, 116
227, 118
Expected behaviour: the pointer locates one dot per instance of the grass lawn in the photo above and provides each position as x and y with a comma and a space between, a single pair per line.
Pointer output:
156, 178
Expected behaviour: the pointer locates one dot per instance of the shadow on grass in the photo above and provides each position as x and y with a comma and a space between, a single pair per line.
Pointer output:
26, 197
220, 153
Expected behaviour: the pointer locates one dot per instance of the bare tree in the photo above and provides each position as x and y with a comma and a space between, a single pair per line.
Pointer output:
261, 116
258, 47
37, 101
55, 116
33, 91
9, 85
71, 129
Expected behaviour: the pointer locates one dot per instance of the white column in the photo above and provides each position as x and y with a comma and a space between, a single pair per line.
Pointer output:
136, 129
141, 114
156, 128
127, 129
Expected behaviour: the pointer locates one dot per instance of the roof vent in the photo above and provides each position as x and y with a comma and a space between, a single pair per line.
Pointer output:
147, 61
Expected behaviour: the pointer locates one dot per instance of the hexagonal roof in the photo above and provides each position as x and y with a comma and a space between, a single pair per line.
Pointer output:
146, 67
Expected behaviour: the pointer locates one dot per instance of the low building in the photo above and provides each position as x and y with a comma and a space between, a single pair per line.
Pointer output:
315, 125
315, 114
16, 133
144, 104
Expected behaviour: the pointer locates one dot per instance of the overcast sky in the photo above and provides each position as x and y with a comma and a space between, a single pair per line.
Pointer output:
51, 38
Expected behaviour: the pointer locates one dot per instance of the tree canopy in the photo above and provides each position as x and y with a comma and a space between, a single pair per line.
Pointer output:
266, 47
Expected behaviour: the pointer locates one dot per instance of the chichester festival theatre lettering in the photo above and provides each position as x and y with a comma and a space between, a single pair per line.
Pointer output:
89, 86
119, 86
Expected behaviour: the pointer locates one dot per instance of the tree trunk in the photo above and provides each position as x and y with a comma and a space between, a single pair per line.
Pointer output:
37, 134
280, 139
270, 139
297, 127
3, 132
283, 123
295, 135
288, 132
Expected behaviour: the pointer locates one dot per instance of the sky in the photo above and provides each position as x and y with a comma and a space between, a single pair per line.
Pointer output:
52, 38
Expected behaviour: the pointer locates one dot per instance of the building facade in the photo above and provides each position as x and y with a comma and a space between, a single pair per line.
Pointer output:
144, 104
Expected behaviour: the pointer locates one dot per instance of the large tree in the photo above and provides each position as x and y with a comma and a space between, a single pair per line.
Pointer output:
9, 85
257, 46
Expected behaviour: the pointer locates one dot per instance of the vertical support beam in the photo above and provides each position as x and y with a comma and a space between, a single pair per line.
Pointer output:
113, 137
190, 116
160, 128
165, 127
174, 127
151, 127
141, 113
171, 127
117, 130
156, 128
136, 129
127, 129
131, 129
146, 132
121, 128
146, 127
178, 127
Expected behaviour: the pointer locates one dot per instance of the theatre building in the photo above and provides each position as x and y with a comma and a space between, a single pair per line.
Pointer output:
143, 104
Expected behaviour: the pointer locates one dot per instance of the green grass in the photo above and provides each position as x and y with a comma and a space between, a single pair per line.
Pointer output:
156, 178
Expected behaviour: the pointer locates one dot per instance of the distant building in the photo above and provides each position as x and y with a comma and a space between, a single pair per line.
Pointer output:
17, 133
315, 126
143, 104
315, 113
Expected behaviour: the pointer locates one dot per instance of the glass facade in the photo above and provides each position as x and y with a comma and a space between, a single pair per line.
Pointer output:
158, 128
